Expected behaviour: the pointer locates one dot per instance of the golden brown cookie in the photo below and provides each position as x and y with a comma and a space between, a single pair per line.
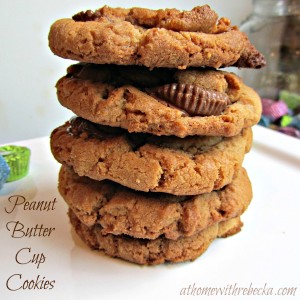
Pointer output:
161, 101
163, 38
120, 210
189, 166
153, 252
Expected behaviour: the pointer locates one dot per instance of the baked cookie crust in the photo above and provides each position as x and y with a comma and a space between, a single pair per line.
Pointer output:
120, 210
190, 166
137, 37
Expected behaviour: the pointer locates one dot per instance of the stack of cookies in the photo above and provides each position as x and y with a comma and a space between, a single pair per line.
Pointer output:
152, 163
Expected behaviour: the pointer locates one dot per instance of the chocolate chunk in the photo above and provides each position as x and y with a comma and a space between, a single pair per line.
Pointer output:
79, 126
253, 61
250, 58
118, 76
101, 73
195, 100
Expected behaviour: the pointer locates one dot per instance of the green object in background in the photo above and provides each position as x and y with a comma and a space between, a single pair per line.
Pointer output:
291, 99
17, 158
286, 120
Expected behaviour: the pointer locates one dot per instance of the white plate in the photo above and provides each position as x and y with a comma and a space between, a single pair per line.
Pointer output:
263, 257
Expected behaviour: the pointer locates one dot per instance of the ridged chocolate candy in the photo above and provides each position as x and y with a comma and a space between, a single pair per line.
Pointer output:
195, 100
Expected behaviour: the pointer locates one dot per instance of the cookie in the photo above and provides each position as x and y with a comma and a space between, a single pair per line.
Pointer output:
164, 38
161, 101
143, 162
153, 252
120, 210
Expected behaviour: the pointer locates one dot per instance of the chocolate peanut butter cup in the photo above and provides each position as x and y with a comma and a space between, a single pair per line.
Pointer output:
193, 99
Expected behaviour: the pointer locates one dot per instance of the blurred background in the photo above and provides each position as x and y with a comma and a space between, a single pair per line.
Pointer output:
29, 70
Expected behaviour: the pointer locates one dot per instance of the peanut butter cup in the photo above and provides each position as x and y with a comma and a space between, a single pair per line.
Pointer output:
195, 100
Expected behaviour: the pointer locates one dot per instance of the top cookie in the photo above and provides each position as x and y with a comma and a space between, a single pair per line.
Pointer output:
153, 38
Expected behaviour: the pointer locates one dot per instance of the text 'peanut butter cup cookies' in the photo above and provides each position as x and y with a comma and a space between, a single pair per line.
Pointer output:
162, 101
137, 36
153, 252
120, 210
144, 162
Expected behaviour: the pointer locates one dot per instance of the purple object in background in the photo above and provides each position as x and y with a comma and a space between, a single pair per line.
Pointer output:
290, 131
274, 109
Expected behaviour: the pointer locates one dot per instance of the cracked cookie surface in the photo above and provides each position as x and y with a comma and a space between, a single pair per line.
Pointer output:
143, 162
200, 18
120, 210
119, 96
153, 252
137, 37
